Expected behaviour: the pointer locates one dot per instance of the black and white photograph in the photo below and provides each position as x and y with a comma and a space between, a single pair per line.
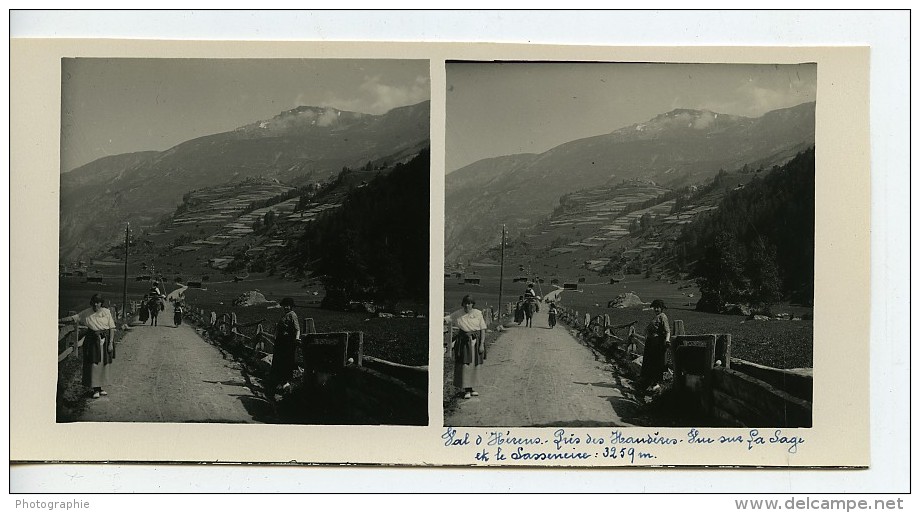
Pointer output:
419, 255
244, 241
629, 244
659, 244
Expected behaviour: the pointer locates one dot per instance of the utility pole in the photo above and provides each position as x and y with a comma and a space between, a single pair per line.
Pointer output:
124, 297
501, 274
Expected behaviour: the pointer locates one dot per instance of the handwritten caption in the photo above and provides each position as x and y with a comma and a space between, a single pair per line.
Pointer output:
573, 445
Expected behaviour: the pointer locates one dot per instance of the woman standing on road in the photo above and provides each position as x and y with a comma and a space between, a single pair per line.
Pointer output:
552, 315
98, 346
177, 313
287, 334
657, 339
519, 310
468, 347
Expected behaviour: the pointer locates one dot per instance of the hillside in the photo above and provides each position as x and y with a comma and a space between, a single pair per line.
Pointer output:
257, 225
757, 247
304, 145
675, 149
744, 236
375, 247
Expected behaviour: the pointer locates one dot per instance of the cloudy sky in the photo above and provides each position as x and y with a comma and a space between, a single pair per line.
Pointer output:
498, 109
112, 106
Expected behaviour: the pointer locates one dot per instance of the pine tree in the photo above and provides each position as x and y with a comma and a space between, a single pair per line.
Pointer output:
766, 285
721, 274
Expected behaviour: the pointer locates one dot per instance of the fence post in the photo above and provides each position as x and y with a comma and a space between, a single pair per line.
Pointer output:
678, 328
360, 348
74, 339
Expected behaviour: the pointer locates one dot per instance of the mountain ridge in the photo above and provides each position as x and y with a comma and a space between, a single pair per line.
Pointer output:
674, 148
143, 189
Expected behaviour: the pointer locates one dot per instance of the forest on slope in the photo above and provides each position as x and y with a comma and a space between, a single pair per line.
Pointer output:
758, 246
375, 247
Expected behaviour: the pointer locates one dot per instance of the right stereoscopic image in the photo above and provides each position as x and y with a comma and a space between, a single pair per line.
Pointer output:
629, 244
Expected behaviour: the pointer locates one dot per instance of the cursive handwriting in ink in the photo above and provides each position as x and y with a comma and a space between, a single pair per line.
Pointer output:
792, 441
560, 438
694, 437
754, 438
629, 447
499, 438
525, 455
599, 440
617, 437
451, 439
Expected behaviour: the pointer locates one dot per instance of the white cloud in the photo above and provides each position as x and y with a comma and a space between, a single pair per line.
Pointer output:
752, 99
379, 97
385, 96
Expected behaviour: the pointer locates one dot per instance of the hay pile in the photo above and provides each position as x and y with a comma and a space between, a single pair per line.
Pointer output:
253, 297
627, 300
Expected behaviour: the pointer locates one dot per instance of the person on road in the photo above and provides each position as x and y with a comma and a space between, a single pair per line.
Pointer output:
287, 334
153, 307
144, 312
530, 294
531, 305
98, 346
177, 314
468, 348
519, 310
657, 339
552, 315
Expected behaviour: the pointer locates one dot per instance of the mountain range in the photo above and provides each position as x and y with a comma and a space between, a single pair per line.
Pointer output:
673, 149
299, 146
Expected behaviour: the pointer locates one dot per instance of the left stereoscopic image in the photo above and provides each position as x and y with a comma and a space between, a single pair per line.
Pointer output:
244, 241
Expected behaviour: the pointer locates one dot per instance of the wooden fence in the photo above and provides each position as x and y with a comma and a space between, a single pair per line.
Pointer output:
319, 353
70, 336
732, 391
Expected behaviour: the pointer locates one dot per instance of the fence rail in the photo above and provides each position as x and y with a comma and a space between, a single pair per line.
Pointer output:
256, 341
733, 391
70, 337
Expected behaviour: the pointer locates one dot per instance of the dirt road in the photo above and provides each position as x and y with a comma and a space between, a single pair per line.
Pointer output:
545, 377
165, 373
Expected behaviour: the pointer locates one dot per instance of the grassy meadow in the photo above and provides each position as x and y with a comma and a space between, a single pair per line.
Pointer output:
400, 339
776, 343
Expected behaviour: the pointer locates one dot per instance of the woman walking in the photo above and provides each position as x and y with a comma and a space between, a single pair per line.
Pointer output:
552, 315
657, 339
287, 334
98, 346
468, 348
177, 314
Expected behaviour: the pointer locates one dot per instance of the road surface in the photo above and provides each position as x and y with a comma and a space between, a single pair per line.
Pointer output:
545, 377
165, 373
